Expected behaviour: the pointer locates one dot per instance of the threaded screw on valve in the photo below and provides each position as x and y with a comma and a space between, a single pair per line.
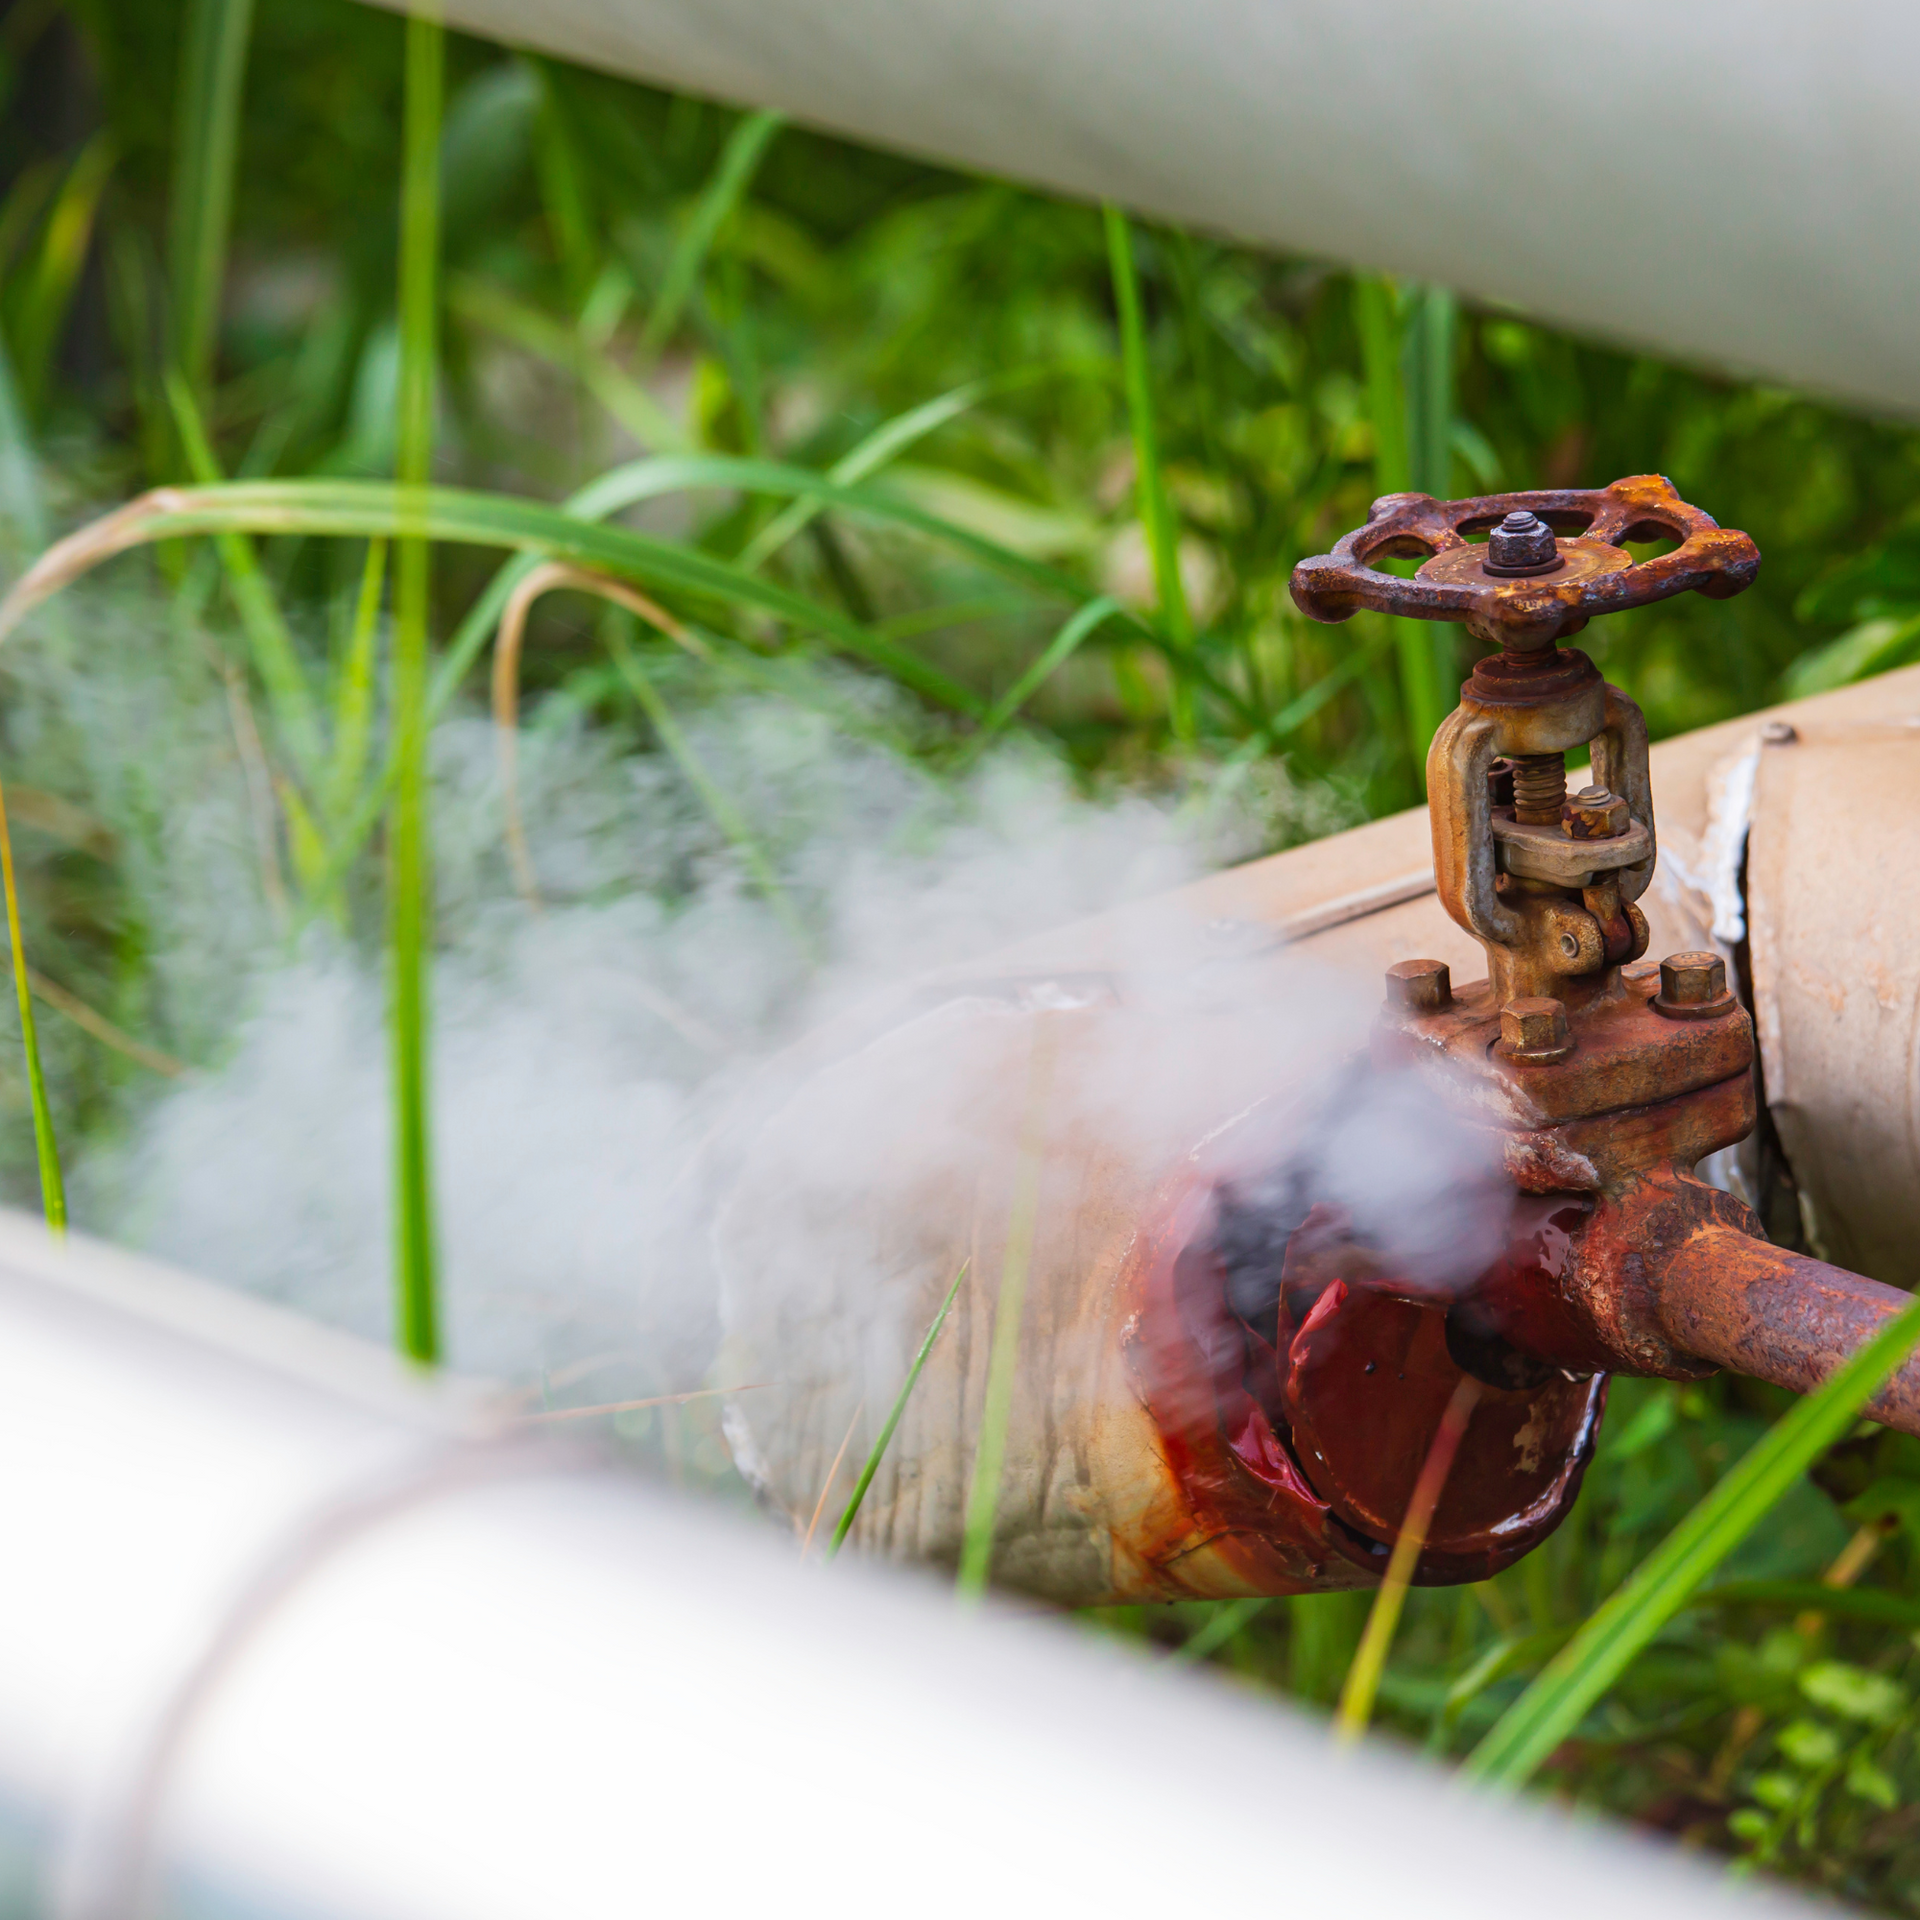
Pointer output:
1539, 788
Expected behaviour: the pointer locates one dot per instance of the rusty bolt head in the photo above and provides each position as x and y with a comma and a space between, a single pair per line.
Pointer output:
1693, 986
1593, 814
1420, 986
1522, 543
1692, 979
1534, 1028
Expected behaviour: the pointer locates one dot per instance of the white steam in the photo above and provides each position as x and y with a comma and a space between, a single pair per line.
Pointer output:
582, 1052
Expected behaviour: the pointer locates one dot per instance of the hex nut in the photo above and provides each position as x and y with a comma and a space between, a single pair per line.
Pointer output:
1534, 1029
1693, 986
1594, 814
1420, 986
1522, 543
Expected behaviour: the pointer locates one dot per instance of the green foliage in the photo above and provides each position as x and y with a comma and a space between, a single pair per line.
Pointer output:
1624, 1625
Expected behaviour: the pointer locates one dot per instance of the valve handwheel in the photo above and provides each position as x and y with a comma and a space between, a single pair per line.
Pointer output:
1546, 882
1552, 560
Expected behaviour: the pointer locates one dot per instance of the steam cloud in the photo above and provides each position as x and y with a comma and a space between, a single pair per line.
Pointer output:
584, 1052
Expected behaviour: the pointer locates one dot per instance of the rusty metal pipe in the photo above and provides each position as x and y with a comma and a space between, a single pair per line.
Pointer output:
1135, 1469
1741, 1303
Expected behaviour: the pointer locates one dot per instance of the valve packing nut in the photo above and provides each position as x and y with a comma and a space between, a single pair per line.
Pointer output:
1419, 986
1693, 986
1534, 1029
1522, 543
1594, 814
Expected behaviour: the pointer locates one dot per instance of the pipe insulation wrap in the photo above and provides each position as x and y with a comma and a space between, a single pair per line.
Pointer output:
1728, 181
283, 1632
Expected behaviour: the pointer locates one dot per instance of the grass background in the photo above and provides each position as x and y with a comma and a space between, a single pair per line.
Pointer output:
1078, 457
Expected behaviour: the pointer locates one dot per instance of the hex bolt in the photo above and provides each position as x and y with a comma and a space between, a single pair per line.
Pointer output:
1521, 544
1419, 986
1593, 814
1534, 1028
1689, 979
1693, 986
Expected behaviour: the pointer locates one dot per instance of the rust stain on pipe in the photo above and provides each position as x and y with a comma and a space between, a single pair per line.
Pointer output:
1741, 1303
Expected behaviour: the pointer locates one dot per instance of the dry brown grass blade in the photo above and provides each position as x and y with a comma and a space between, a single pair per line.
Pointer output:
102, 1029
632, 1406
81, 551
1369, 1662
509, 643
826, 1486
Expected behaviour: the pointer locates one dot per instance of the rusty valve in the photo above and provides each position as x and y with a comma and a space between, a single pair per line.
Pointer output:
1605, 1077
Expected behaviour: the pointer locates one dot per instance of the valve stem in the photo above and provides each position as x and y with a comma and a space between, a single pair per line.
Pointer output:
1539, 788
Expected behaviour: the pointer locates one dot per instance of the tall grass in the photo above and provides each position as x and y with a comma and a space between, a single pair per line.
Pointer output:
1016, 1261
1150, 485
213, 62
884, 1438
53, 1193
409, 864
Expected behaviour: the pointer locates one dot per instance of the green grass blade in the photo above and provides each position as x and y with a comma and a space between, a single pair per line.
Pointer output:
1059, 650
53, 1193
365, 509
1428, 356
1299, 710
409, 858
1673, 1573
889, 438
48, 290
625, 398
726, 816
353, 696
206, 149
1378, 323
22, 502
1228, 1618
739, 161
1813, 1596
850, 1512
989, 1455
1156, 510
274, 656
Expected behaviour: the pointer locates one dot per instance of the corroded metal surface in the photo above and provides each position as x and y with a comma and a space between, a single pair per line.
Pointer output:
1730, 1298
1610, 1080
1159, 1448
1596, 574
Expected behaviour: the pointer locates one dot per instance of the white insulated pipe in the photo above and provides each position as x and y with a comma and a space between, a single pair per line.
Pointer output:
1728, 181
286, 1631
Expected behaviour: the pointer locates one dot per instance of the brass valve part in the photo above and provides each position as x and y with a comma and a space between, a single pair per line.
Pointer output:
1547, 883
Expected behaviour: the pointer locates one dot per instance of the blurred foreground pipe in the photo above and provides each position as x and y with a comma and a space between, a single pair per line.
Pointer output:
1729, 181
285, 1632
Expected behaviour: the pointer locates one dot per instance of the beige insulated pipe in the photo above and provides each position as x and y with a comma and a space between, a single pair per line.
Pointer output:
1058, 1119
1729, 181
